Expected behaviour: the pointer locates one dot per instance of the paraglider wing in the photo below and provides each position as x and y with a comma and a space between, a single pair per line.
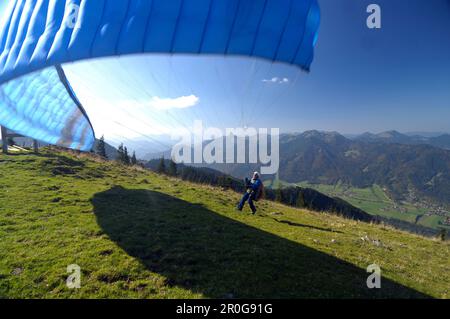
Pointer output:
43, 106
37, 35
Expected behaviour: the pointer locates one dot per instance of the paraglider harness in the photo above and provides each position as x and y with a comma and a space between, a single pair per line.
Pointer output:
256, 195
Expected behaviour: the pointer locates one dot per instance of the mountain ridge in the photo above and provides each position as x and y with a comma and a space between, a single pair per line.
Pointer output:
406, 171
440, 141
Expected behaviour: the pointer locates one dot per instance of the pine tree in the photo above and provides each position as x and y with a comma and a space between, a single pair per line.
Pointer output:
443, 234
11, 141
278, 195
134, 159
126, 157
120, 153
277, 187
172, 168
301, 199
162, 166
101, 148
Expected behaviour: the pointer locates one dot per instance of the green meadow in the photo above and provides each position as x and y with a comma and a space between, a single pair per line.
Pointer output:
136, 234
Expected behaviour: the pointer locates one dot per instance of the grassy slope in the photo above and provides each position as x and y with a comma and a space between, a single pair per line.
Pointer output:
139, 235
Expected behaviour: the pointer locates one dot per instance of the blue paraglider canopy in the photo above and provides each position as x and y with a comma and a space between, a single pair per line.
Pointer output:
37, 36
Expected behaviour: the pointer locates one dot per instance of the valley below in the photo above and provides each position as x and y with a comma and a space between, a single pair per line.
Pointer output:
376, 201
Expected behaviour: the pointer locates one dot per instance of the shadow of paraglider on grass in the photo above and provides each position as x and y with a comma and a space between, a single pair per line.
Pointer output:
200, 250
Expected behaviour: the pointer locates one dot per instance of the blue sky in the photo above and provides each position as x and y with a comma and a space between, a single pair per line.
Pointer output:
361, 80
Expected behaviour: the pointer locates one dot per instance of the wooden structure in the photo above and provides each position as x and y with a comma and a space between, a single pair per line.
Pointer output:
6, 135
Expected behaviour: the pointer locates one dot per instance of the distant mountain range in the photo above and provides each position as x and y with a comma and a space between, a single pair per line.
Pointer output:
441, 141
409, 167
404, 169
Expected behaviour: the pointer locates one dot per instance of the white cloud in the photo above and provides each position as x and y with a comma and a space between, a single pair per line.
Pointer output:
120, 120
182, 102
128, 112
276, 80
